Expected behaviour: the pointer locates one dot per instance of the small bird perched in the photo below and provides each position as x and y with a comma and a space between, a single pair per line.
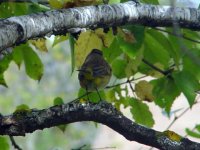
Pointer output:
95, 72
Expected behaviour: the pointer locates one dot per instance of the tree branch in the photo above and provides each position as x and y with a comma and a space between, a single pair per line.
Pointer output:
19, 124
16, 30
43, 2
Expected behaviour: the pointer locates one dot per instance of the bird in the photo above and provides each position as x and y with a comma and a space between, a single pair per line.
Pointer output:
95, 72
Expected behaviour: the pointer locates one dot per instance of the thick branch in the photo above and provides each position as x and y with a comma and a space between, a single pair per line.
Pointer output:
44, 2
15, 30
20, 123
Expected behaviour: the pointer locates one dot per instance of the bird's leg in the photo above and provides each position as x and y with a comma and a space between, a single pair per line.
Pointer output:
87, 94
98, 94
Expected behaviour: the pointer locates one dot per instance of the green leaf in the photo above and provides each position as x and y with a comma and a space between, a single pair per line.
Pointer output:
93, 96
59, 39
58, 101
4, 143
141, 113
154, 2
4, 64
114, 1
71, 43
133, 64
2, 80
132, 48
22, 108
161, 90
188, 84
191, 63
192, 133
166, 44
113, 51
118, 68
34, 8
18, 55
33, 64
197, 127
154, 52
62, 127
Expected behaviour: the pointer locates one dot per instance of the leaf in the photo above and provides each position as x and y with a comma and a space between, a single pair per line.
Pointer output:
62, 127
155, 73
2, 80
33, 64
166, 44
154, 52
58, 101
113, 51
118, 68
110, 95
132, 48
86, 42
71, 43
58, 39
4, 63
17, 55
188, 84
134, 63
93, 96
154, 2
141, 113
165, 92
114, 1
58, 4
191, 64
4, 143
143, 90
8, 9
22, 108
192, 133
197, 127
39, 44
106, 37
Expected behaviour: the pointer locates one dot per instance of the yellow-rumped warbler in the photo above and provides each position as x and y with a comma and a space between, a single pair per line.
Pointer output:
95, 72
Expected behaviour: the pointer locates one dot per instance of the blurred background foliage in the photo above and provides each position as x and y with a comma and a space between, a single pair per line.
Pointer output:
152, 63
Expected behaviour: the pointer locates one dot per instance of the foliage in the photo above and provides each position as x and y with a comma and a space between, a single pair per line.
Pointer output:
169, 63
4, 143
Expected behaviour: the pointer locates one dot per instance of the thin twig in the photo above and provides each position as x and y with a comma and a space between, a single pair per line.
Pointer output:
134, 79
164, 72
177, 117
14, 143
132, 89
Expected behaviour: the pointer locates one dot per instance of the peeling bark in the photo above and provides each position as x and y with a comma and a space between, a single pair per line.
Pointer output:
15, 30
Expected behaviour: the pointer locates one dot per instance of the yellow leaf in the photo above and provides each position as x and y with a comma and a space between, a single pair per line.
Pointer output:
106, 38
86, 42
56, 3
143, 90
40, 44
